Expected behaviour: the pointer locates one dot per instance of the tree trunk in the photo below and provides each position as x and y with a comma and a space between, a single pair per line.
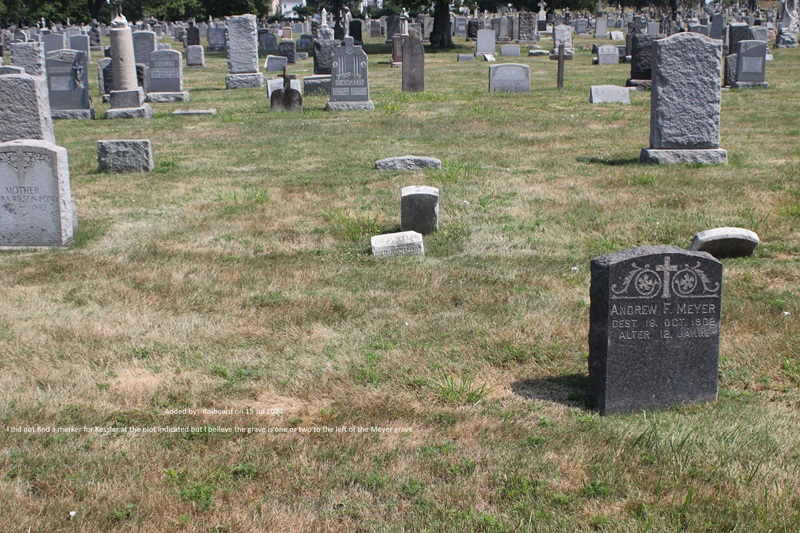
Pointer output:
441, 35
94, 8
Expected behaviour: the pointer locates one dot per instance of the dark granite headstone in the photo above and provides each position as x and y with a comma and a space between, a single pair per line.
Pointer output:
286, 98
323, 55
288, 49
642, 56
193, 36
354, 29
472, 29
737, 31
654, 328
68, 80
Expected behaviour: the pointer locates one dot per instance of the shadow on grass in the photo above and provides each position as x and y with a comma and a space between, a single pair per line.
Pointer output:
571, 390
608, 162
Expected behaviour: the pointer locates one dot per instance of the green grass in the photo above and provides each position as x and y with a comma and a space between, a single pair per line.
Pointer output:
444, 393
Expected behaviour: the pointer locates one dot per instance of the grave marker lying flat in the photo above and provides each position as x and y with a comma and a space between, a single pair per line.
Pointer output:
407, 162
403, 243
609, 94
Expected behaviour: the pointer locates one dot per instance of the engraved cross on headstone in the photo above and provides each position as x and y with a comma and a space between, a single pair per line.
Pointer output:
667, 269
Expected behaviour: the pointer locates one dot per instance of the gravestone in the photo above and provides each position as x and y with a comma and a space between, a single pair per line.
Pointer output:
472, 29
465, 58
287, 97
504, 30
317, 85
25, 108
165, 77
144, 44
609, 94
354, 29
654, 328
486, 42
125, 156
392, 27
408, 162
288, 49
275, 63
510, 77
509, 50
419, 209
607, 54
192, 36
195, 56
324, 49
685, 101
725, 242
403, 243
53, 42
68, 84
267, 41
717, 26
38, 210
349, 79
698, 28
375, 28
581, 26
563, 35
243, 53
127, 95
751, 65
653, 28
617, 36
276, 84
737, 31
81, 42
413, 65
642, 59
29, 56
601, 27
217, 39
397, 50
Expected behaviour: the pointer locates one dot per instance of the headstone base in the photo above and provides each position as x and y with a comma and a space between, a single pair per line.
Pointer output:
538, 53
127, 99
244, 81
397, 64
673, 156
144, 111
189, 112
182, 96
349, 106
642, 85
749, 85
317, 85
80, 114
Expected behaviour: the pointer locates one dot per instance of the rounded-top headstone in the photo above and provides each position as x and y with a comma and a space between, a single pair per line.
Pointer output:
725, 242
419, 209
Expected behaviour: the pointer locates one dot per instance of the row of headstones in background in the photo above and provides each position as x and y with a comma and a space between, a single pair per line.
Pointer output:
38, 210
62, 41
747, 68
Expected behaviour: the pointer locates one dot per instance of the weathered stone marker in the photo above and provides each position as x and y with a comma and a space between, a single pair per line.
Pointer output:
403, 243
654, 328
125, 156
725, 242
36, 208
685, 101
419, 209
349, 79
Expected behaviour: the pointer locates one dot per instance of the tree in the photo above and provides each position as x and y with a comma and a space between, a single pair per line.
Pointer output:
441, 35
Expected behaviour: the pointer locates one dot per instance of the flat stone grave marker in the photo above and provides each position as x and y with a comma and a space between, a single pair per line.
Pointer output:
35, 195
725, 242
654, 328
609, 94
468, 58
190, 112
403, 243
509, 50
275, 63
510, 77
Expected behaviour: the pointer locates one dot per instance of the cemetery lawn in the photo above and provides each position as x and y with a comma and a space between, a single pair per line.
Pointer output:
236, 277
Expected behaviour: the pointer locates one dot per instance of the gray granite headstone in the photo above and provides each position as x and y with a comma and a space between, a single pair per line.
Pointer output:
527, 26
510, 77
607, 54
509, 50
82, 43
242, 38
413, 65
324, 49
275, 63
717, 26
195, 56
601, 27
25, 108
685, 101
53, 42
563, 35
217, 39
349, 79
465, 58
486, 42
408, 162
751, 65
654, 328
392, 27
68, 84
166, 72
419, 209
37, 208
144, 44
29, 56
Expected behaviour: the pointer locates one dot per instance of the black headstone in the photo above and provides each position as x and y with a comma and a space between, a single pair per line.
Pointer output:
193, 36
654, 328
642, 56
323, 55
